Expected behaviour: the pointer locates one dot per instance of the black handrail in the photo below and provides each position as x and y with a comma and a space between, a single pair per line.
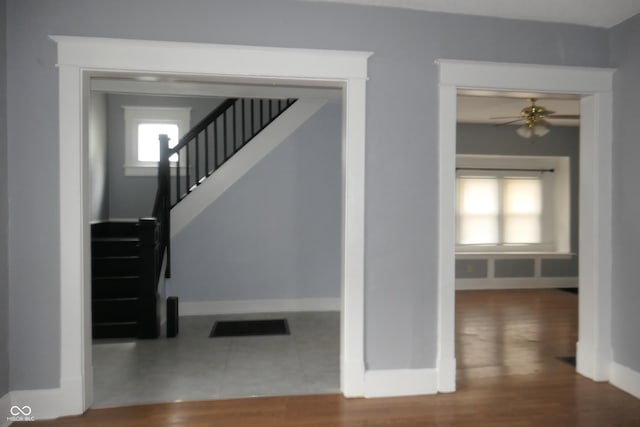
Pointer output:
222, 133
202, 124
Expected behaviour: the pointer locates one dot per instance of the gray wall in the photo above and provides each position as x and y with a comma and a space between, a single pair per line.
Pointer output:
275, 234
4, 261
133, 196
561, 141
98, 163
625, 42
401, 129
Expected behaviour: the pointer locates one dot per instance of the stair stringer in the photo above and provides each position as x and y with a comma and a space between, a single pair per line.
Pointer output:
245, 159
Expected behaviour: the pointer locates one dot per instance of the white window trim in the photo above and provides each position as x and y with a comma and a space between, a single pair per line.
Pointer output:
135, 115
556, 193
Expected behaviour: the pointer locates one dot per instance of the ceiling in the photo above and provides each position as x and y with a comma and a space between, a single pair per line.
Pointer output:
474, 106
482, 106
595, 13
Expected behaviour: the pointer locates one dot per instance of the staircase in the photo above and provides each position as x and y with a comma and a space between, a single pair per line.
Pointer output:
116, 274
130, 257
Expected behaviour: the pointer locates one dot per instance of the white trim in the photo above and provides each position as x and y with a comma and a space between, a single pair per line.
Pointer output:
210, 89
538, 256
516, 283
78, 57
206, 308
5, 407
625, 379
400, 382
238, 165
231, 61
595, 86
44, 404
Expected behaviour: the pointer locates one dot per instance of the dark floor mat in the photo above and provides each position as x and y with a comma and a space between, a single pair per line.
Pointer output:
246, 328
571, 360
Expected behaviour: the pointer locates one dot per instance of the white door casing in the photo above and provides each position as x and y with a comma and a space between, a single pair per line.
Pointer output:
79, 57
594, 85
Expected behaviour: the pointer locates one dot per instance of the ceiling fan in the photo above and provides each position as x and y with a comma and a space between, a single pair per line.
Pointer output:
534, 117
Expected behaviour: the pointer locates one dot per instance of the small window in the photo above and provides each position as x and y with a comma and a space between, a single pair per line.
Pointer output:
143, 125
148, 147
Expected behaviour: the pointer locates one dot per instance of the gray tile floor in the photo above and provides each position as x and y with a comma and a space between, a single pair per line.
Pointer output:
193, 366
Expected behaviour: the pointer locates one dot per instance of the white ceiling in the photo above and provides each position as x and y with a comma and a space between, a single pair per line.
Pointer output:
596, 13
474, 106
484, 107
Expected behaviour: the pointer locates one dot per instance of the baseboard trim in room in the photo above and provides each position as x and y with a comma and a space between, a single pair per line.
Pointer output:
625, 379
5, 410
43, 403
516, 283
207, 308
400, 382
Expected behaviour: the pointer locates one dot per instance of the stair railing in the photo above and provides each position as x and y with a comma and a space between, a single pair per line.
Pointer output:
216, 138
199, 153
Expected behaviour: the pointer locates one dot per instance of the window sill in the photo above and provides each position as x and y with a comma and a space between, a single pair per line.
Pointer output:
527, 254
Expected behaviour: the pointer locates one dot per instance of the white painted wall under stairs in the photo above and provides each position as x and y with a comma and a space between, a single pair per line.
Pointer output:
238, 165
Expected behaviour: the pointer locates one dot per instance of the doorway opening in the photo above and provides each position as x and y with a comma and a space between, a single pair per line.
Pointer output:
228, 257
593, 87
78, 60
516, 234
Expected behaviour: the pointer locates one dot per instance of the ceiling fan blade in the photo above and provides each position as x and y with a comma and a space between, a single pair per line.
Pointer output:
505, 117
510, 122
563, 116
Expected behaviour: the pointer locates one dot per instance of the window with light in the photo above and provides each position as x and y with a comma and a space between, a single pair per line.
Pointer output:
143, 125
502, 210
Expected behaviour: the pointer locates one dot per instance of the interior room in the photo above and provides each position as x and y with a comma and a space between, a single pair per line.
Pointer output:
230, 262
350, 214
517, 211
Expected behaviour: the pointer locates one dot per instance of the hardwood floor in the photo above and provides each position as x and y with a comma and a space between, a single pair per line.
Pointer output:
510, 375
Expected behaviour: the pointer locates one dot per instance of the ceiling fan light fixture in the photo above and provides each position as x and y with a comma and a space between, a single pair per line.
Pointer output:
538, 128
525, 131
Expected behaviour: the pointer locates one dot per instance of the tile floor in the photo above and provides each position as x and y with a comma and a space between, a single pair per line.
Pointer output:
193, 366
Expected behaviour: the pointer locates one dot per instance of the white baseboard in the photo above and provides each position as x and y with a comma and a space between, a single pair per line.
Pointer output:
517, 283
5, 408
205, 308
43, 404
625, 379
400, 382
447, 375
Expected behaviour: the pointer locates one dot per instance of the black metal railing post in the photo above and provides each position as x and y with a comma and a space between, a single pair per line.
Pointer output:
148, 314
163, 197
224, 129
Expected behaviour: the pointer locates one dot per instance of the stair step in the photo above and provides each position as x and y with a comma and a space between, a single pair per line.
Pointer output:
113, 287
114, 310
111, 266
122, 228
116, 239
115, 246
115, 330
115, 299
